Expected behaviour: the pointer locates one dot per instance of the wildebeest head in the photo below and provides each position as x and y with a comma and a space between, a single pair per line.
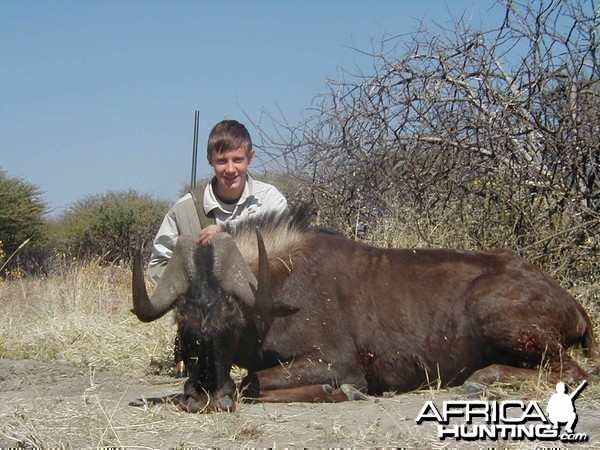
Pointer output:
223, 311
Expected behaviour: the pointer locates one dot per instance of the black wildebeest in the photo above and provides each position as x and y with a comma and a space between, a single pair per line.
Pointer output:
315, 316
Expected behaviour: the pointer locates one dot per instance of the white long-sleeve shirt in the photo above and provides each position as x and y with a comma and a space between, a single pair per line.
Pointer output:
182, 219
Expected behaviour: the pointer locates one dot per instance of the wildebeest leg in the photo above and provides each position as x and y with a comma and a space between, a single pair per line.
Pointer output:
527, 320
177, 400
302, 380
182, 402
562, 368
316, 393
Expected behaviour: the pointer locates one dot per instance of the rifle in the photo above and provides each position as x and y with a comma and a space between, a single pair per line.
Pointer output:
180, 369
195, 149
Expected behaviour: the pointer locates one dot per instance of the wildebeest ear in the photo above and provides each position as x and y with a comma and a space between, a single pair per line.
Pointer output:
232, 270
282, 309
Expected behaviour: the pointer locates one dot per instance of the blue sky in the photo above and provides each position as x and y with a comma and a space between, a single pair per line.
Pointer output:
100, 95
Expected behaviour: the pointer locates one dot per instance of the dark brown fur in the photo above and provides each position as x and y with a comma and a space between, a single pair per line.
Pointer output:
400, 319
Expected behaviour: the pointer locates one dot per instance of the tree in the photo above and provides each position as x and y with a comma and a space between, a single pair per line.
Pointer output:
490, 133
22, 210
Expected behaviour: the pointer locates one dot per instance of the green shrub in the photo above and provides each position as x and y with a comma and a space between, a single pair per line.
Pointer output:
22, 210
105, 226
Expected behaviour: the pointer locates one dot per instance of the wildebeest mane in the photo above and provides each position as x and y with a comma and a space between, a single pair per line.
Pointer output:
285, 236
295, 218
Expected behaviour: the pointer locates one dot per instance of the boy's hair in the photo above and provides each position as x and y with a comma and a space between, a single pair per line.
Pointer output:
227, 135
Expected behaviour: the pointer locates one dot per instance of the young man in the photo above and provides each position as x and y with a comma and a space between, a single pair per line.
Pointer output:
231, 196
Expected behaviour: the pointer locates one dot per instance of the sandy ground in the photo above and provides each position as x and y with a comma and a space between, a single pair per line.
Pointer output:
48, 404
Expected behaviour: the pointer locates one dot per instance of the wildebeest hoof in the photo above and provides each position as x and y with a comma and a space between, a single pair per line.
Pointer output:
138, 403
327, 388
352, 393
227, 404
472, 389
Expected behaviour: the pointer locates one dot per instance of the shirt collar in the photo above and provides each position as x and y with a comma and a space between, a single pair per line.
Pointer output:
210, 199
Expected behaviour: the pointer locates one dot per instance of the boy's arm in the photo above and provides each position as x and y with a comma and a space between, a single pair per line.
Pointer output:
162, 248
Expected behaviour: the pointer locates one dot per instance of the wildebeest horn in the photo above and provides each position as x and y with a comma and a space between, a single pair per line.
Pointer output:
232, 270
229, 268
264, 301
266, 304
235, 277
175, 280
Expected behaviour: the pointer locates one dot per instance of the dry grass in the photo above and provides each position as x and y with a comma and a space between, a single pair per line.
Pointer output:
81, 318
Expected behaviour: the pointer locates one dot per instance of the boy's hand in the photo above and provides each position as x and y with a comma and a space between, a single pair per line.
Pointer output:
206, 234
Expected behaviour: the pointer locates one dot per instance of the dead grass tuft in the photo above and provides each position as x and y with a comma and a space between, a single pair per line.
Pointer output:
82, 318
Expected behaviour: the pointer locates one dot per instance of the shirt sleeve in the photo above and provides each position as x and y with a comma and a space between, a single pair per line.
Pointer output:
163, 246
273, 200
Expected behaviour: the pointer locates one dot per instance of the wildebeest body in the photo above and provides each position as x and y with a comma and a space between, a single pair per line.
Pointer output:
397, 319
378, 319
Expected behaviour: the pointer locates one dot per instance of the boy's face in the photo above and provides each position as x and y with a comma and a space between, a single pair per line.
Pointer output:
230, 168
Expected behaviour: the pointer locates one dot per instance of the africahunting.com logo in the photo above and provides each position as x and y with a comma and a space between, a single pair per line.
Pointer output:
510, 419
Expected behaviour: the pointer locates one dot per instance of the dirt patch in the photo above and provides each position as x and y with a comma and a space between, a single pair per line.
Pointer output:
49, 404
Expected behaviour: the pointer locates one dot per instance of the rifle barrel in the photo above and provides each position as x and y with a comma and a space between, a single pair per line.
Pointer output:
195, 149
